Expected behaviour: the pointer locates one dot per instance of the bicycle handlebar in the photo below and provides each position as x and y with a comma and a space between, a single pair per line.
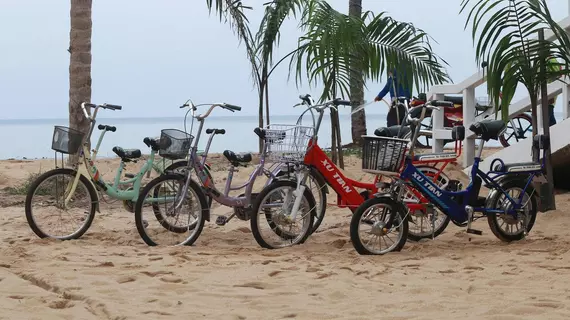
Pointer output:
307, 99
97, 106
227, 106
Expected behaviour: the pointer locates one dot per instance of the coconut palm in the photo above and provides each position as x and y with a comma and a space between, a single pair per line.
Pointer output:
326, 52
259, 48
505, 33
358, 120
79, 63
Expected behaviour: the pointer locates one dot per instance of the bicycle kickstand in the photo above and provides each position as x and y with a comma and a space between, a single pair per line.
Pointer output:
469, 210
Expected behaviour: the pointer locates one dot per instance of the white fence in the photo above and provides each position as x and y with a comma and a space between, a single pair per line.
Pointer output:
467, 89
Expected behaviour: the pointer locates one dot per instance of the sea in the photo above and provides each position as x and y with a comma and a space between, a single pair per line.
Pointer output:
31, 138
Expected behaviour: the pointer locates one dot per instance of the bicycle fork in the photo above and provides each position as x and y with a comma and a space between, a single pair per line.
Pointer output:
298, 193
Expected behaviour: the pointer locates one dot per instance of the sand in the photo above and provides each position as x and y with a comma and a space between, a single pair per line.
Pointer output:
111, 274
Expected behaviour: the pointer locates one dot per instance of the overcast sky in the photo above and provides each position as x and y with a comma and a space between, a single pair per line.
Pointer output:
150, 55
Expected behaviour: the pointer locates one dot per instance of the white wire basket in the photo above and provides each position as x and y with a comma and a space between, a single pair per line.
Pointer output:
287, 143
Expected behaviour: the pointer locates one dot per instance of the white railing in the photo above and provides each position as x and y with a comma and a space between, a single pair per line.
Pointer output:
467, 89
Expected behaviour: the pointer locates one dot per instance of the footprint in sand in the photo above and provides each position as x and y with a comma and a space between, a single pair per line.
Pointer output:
170, 279
313, 269
61, 304
290, 316
125, 279
274, 273
255, 285
155, 258
16, 297
106, 264
153, 274
325, 275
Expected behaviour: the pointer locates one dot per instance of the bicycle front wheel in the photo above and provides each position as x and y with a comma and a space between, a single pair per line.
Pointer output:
164, 216
272, 208
370, 226
54, 209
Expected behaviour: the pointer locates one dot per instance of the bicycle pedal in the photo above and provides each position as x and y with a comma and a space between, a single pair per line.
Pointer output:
221, 220
473, 231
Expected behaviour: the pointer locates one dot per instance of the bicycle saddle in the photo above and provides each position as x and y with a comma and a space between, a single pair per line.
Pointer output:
127, 153
392, 132
488, 129
237, 158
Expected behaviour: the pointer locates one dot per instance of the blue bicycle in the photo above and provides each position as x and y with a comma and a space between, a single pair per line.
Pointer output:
510, 206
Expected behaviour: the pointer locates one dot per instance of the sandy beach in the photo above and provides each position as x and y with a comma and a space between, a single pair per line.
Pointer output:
111, 274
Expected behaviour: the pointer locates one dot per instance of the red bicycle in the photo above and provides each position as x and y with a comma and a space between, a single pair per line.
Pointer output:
321, 167
518, 128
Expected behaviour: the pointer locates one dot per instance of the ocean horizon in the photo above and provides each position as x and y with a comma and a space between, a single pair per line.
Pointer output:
31, 138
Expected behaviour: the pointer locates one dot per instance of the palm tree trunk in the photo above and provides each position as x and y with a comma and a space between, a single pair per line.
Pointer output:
267, 102
79, 63
260, 113
358, 120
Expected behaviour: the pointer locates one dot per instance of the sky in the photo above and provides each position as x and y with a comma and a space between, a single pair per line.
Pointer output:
150, 56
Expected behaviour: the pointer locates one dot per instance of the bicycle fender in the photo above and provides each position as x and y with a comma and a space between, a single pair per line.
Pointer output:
502, 181
285, 169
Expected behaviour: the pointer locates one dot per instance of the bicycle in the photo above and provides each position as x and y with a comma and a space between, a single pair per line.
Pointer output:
85, 175
183, 184
460, 206
318, 164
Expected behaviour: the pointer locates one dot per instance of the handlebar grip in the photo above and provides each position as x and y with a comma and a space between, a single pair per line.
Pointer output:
216, 131
339, 102
113, 107
232, 107
107, 128
439, 103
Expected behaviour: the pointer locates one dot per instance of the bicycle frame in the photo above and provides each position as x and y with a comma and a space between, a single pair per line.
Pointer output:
86, 167
194, 164
345, 188
459, 210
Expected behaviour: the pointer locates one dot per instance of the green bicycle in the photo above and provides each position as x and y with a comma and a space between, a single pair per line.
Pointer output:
71, 193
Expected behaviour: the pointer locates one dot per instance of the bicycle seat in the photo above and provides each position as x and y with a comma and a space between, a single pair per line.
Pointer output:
391, 132
237, 158
127, 153
488, 129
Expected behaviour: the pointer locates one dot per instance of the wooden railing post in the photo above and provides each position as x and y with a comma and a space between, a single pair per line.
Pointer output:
437, 118
468, 118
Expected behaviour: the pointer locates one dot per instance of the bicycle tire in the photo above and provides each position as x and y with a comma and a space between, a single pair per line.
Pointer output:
439, 229
397, 211
492, 218
504, 141
255, 214
139, 221
32, 190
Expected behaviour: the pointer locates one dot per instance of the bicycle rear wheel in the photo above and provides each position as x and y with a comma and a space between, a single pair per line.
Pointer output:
160, 222
46, 199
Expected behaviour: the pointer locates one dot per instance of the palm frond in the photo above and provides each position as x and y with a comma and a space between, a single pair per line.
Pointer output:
382, 43
508, 42
233, 13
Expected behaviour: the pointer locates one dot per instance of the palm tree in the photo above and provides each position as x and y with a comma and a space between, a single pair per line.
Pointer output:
507, 42
79, 63
326, 52
259, 48
358, 121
